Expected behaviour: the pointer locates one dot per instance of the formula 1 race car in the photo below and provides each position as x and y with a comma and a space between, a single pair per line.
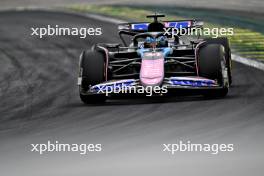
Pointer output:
156, 58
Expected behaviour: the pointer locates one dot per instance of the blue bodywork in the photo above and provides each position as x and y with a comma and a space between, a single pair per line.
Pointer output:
176, 24
193, 83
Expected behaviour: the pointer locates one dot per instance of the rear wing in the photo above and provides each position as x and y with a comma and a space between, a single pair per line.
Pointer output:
143, 26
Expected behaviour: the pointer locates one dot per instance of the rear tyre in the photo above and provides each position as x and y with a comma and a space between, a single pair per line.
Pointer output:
210, 58
224, 41
92, 65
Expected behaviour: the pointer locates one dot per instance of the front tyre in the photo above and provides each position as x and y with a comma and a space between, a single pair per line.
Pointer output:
224, 41
211, 63
92, 72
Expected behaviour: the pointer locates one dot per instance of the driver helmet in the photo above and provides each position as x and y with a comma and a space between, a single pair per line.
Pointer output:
150, 42
162, 41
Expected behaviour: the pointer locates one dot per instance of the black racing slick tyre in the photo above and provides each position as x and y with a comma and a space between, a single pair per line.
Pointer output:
224, 41
92, 65
210, 58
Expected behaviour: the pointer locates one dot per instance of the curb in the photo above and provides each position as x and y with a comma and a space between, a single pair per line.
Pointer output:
249, 62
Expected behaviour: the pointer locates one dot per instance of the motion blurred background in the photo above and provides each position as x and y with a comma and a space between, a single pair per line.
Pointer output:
246, 16
244, 5
39, 97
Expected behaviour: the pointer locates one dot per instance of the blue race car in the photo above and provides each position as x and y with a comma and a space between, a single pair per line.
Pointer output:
156, 58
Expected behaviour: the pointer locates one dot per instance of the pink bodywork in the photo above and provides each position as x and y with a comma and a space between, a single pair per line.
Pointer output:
152, 71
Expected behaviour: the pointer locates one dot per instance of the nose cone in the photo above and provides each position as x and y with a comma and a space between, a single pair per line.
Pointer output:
152, 71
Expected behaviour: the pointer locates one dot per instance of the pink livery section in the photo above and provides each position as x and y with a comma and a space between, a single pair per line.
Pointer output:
152, 69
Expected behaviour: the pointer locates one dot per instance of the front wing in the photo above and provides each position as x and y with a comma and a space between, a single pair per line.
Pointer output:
171, 83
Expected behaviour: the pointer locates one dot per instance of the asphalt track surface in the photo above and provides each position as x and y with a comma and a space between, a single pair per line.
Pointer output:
39, 102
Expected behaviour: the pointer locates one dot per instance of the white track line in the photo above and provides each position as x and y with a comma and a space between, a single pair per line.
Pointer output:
105, 18
248, 62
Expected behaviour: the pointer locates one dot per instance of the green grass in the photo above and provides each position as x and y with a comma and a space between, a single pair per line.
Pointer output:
245, 42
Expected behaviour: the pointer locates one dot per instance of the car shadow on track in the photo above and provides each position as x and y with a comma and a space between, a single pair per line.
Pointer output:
124, 101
